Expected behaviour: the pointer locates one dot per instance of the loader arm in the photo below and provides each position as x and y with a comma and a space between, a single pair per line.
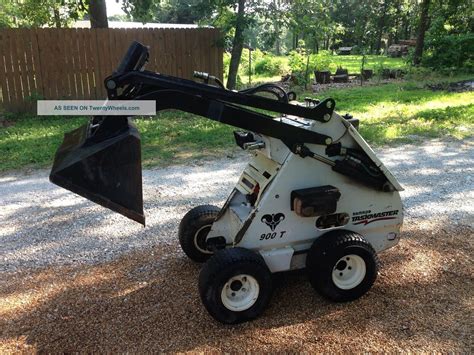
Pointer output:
101, 161
233, 115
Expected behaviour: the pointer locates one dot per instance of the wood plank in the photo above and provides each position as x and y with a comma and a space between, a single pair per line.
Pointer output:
85, 62
61, 64
159, 51
25, 61
179, 53
96, 82
69, 54
42, 54
18, 51
208, 46
186, 47
100, 52
203, 50
220, 54
72, 63
54, 63
29, 70
91, 64
113, 51
3, 78
120, 46
108, 48
13, 82
77, 64
192, 38
38, 69
214, 53
13, 69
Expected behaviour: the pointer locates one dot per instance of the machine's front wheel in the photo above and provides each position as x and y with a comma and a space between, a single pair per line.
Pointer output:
235, 285
342, 265
193, 231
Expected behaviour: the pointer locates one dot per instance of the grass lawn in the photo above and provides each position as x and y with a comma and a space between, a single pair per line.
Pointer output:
391, 113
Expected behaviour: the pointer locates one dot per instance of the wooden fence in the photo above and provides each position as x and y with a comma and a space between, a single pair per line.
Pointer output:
72, 63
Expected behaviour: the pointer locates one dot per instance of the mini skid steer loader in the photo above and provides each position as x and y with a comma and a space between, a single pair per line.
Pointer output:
314, 195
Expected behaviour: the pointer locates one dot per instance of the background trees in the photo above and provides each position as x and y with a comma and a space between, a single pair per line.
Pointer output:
443, 28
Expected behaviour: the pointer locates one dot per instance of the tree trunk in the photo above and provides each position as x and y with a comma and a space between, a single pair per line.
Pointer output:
237, 46
277, 30
420, 39
57, 18
98, 14
381, 27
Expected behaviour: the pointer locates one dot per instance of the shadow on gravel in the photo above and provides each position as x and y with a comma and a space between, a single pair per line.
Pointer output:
148, 301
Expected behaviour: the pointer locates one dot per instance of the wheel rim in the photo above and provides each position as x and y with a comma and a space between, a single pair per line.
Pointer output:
200, 239
240, 293
349, 272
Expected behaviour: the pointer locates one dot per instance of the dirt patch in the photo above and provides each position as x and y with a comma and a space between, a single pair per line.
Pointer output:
460, 86
148, 301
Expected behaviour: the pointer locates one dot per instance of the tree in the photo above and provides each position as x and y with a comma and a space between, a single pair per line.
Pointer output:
237, 45
98, 14
423, 26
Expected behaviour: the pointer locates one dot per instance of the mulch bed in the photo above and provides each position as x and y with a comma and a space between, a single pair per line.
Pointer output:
148, 301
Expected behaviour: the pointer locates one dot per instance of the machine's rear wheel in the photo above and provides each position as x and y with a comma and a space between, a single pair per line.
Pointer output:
342, 265
193, 231
235, 285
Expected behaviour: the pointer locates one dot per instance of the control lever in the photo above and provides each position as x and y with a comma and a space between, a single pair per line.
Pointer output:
253, 145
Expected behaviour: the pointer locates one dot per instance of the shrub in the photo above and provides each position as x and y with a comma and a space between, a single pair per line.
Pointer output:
455, 51
297, 62
271, 65
321, 61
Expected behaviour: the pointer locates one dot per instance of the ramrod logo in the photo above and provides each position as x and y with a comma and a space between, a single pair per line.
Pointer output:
374, 217
272, 220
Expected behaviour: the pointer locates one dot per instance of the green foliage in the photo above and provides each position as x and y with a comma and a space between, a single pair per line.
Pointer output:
321, 61
297, 62
164, 11
271, 65
34, 13
454, 51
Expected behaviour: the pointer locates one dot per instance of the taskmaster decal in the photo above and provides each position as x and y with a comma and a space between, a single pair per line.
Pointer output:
366, 217
272, 220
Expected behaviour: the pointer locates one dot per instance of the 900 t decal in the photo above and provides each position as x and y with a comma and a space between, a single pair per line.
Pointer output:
272, 220
368, 217
267, 236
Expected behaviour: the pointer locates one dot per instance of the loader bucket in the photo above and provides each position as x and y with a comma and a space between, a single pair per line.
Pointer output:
101, 161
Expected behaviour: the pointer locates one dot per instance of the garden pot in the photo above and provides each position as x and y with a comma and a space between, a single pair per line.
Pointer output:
367, 74
322, 77
386, 73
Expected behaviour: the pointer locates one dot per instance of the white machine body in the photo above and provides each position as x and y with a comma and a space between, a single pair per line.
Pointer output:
270, 225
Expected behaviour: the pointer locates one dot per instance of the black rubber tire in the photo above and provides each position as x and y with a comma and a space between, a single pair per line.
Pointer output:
197, 218
326, 251
224, 265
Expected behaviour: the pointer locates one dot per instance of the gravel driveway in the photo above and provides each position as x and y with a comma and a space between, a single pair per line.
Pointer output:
52, 242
